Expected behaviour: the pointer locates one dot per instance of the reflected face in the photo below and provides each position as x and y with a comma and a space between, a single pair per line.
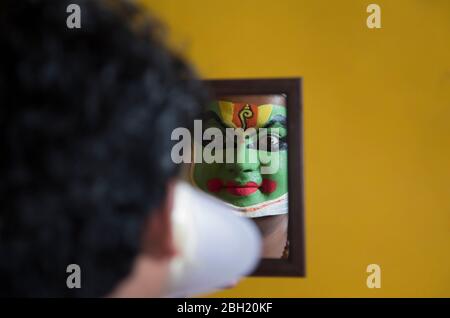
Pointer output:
241, 182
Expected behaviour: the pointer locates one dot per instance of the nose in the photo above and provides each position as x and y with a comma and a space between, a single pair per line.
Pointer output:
237, 168
245, 161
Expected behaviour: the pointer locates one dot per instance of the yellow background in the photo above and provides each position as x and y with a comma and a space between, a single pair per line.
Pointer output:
377, 130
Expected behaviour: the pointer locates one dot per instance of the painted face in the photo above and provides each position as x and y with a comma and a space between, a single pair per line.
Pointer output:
241, 182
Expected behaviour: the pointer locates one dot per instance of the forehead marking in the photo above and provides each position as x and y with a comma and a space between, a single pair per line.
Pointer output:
244, 115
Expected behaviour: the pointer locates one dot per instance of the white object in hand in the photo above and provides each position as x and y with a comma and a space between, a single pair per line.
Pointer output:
215, 247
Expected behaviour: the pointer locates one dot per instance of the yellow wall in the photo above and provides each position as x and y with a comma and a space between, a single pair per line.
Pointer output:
377, 130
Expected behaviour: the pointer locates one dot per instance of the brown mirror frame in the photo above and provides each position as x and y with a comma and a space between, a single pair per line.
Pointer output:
292, 88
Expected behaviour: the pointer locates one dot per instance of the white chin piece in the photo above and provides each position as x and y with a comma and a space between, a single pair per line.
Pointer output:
274, 207
215, 247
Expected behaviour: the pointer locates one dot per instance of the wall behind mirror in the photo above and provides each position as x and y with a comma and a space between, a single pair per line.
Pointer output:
376, 135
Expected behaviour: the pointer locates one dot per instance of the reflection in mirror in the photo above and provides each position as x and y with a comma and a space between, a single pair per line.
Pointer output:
245, 137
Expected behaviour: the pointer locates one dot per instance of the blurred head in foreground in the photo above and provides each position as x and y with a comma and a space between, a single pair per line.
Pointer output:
85, 121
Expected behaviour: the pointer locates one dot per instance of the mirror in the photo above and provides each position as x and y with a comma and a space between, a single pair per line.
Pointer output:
251, 158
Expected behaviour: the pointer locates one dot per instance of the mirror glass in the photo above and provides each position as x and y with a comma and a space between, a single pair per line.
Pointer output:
244, 162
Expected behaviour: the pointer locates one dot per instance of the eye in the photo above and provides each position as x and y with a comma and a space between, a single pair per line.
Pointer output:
273, 140
269, 142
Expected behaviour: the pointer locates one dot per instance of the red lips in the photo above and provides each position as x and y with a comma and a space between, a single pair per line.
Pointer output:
241, 190
216, 184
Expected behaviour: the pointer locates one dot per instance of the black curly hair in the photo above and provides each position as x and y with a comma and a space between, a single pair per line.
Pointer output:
86, 117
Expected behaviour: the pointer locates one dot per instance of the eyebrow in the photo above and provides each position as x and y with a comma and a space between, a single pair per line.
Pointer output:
277, 119
212, 115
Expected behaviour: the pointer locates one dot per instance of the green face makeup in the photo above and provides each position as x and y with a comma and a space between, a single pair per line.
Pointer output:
241, 182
